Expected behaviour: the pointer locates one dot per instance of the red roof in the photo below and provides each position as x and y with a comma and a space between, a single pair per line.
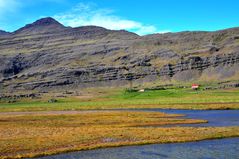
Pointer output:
193, 85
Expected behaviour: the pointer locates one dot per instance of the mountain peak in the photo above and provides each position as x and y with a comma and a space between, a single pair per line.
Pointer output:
47, 24
46, 21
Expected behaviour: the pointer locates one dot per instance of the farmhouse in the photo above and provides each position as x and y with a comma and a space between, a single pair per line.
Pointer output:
195, 86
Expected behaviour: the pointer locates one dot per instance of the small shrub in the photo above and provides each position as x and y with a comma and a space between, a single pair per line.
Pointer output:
128, 90
52, 101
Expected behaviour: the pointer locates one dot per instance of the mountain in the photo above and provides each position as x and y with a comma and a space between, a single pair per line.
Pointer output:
41, 26
47, 56
4, 33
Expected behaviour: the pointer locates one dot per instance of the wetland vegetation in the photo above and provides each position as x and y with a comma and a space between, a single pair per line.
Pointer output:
35, 127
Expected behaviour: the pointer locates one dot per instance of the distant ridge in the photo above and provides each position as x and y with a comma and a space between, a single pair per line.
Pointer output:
4, 33
47, 55
49, 24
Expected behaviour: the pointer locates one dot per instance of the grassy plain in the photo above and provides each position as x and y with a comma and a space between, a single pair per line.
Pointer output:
40, 134
34, 127
181, 98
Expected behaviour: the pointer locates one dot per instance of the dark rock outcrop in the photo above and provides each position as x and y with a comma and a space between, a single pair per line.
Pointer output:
198, 63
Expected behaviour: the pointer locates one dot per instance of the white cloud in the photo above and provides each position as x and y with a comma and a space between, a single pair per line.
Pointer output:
8, 6
89, 14
13, 6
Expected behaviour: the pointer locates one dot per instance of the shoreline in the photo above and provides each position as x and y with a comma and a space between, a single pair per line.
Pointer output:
78, 111
103, 146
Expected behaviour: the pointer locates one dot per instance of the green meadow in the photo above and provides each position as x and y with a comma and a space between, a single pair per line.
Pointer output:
172, 98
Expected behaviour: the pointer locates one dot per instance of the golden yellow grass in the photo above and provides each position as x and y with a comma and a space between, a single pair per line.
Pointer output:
40, 134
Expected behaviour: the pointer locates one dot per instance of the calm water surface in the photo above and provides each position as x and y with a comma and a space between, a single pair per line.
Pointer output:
210, 149
215, 118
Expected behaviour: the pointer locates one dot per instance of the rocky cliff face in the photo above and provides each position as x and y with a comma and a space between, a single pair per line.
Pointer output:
197, 63
46, 55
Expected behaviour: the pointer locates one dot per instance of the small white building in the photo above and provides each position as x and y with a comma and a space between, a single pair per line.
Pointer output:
141, 90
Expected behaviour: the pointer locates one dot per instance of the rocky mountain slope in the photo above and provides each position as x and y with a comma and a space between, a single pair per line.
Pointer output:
4, 33
46, 55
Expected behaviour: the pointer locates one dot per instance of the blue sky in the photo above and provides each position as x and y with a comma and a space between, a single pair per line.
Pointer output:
141, 16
